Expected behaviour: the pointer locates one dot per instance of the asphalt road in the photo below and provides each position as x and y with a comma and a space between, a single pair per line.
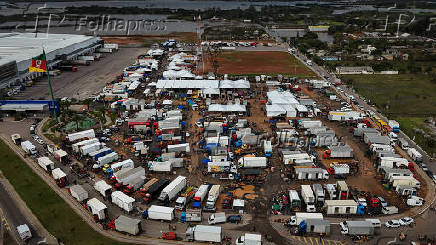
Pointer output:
14, 217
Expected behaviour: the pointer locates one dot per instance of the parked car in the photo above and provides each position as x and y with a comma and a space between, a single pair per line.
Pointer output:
382, 201
234, 219
434, 178
406, 221
199, 124
392, 224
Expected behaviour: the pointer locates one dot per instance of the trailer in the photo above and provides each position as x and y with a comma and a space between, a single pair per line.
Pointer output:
160, 166
106, 159
60, 155
123, 201
123, 164
217, 218
331, 190
214, 193
78, 192
97, 208
16, 138
81, 135
359, 132
60, 177
76, 146
403, 143
267, 148
99, 153
404, 180
103, 188
300, 217
310, 173
199, 195
319, 193
343, 191
173, 189
128, 225
204, 233
191, 215
156, 212
249, 239
179, 148
28, 147
393, 162
155, 188
308, 198
127, 175
310, 124
339, 169
294, 200
357, 228
339, 152
252, 162
46, 163
86, 149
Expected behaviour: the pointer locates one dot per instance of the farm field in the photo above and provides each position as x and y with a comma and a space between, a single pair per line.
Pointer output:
259, 62
398, 95
51, 210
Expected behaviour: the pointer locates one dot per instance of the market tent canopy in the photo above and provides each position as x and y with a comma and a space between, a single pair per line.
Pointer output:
187, 84
241, 83
285, 98
277, 110
227, 108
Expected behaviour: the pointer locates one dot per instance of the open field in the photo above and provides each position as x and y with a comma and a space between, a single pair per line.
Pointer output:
146, 40
259, 62
54, 214
409, 123
398, 95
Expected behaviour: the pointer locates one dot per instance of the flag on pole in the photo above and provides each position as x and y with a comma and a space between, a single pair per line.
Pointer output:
38, 64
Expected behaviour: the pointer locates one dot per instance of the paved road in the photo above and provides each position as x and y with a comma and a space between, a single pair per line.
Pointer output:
14, 217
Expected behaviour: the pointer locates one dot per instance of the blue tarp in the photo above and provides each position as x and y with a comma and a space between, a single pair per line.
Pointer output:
205, 160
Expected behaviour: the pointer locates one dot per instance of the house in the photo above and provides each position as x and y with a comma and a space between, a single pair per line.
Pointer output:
341, 206
350, 70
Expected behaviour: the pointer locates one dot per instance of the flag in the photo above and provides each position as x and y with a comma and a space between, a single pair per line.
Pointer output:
38, 64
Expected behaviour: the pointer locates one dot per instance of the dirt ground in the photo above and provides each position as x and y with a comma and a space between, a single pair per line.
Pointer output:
186, 37
258, 62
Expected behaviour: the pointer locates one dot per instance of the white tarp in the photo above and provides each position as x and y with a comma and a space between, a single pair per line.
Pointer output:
227, 108
235, 84
187, 84
277, 110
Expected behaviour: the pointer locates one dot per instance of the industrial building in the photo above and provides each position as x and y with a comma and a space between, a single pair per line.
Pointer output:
17, 50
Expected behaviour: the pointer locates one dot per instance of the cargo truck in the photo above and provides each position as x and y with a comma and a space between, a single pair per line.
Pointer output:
156, 212
300, 217
319, 193
128, 225
97, 208
191, 215
106, 159
28, 147
357, 228
217, 218
24, 232
403, 144
267, 147
76, 146
60, 177
81, 135
308, 198
252, 162
153, 190
103, 188
123, 164
204, 233
199, 195
214, 193
394, 125
86, 149
99, 153
123, 201
249, 239
46, 163
173, 189
294, 200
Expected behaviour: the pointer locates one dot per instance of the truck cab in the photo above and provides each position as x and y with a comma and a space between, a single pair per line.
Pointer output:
24, 232
180, 203
344, 228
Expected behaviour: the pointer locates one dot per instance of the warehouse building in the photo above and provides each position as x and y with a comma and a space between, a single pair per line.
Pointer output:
17, 50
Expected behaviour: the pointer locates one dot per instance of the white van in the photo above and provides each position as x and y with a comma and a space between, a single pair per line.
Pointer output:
375, 222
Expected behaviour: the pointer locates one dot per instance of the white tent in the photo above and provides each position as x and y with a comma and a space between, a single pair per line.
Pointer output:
234, 84
277, 110
187, 84
227, 108
284, 98
167, 102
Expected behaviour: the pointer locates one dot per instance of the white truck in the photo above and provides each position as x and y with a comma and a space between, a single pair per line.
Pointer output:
160, 213
123, 201
106, 159
81, 135
357, 228
103, 188
179, 148
405, 181
415, 155
180, 203
86, 149
252, 162
24, 232
299, 217
160, 166
204, 233
76, 147
393, 162
28, 147
128, 163
201, 193
319, 193
249, 239
173, 189
214, 193
46, 164
97, 208
78, 192
267, 148
217, 218
129, 225
308, 198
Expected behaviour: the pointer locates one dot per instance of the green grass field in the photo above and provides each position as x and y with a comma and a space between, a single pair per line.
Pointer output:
407, 98
408, 123
51, 210
398, 95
